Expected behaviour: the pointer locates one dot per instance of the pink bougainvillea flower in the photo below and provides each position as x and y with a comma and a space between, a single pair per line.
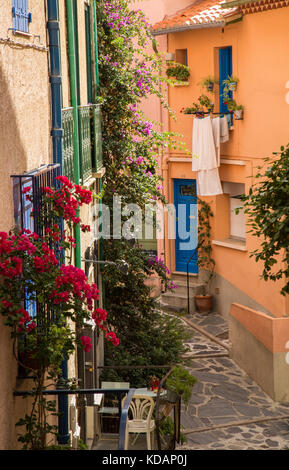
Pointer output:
86, 343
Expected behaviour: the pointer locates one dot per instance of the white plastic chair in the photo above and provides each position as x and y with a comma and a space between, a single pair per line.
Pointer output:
139, 419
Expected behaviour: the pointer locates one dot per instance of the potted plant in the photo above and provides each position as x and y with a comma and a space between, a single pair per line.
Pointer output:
231, 83
231, 103
180, 72
208, 83
180, 384
206, 262
194, 109
206, 102
239, 112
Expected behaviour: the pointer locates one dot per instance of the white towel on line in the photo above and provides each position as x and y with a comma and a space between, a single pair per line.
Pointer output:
208, 183
224, 129
204, 152
216, 125
206, 155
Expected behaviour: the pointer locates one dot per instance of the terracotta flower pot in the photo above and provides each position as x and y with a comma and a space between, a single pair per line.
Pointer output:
204, 303
29, 361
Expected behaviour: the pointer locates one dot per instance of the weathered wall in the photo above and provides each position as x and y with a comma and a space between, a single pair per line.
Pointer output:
25, 145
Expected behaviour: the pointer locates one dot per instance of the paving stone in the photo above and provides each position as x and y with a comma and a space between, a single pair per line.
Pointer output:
206, 421
211, 378
197, 399
231, 392
224, 394
204, 437
247, 435
216, 407
271, 443
191, 422
247, 410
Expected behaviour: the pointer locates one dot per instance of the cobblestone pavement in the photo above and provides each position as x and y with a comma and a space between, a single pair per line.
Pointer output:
225, 394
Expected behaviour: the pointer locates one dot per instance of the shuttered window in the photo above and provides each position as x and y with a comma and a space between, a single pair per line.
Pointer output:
21, 16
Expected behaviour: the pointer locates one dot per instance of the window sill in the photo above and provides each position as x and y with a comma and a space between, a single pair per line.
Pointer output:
18, 32
88, 182
100, 173
234, 243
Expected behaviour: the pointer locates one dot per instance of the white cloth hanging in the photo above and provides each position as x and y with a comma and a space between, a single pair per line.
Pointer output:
216, 124
206, 159
208, 182
224, 129
204, 152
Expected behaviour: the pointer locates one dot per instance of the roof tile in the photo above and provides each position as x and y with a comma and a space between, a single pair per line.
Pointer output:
201, 11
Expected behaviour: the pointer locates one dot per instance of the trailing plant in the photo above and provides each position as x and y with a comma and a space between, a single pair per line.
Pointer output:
195, 108
33, 272
231, 83
178, 71
181, 382
206, 102
268, 217
205, 259
208, 83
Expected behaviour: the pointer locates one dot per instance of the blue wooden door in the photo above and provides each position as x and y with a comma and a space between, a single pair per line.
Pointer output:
225, 70
185, 199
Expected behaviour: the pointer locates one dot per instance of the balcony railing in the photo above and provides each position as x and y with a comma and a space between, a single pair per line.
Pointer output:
85, 150
68, 150
97, 163
90, 143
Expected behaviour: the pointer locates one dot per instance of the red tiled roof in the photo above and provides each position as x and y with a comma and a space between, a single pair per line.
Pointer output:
200, 12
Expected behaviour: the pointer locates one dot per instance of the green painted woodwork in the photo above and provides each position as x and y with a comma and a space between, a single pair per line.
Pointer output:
68, 151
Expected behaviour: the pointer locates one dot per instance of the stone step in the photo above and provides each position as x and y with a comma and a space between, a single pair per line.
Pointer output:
177, 301
179, 276
194, 288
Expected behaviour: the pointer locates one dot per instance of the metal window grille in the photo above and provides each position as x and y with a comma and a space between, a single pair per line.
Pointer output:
27, 214
68, 150
84, 142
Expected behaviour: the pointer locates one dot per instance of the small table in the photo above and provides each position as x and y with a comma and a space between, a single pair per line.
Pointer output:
149, 393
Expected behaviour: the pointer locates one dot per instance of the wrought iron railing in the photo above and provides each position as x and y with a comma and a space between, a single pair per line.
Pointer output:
85, 150
67, 148
27, 215
90, 141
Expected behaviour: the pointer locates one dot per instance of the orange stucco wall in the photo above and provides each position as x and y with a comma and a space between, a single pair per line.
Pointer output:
272, 332
260, 45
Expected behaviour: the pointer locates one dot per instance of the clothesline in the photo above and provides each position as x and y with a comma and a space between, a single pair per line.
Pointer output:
207, 112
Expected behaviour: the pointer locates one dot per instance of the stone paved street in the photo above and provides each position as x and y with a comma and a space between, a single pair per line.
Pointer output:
224, 394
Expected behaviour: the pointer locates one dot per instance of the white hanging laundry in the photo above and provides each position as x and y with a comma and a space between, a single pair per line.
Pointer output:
206, 155
224, 130
204, 152
216, 124
208, 183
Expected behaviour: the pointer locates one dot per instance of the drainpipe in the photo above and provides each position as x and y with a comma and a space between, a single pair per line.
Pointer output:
74, 103
55, 79
57, 135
